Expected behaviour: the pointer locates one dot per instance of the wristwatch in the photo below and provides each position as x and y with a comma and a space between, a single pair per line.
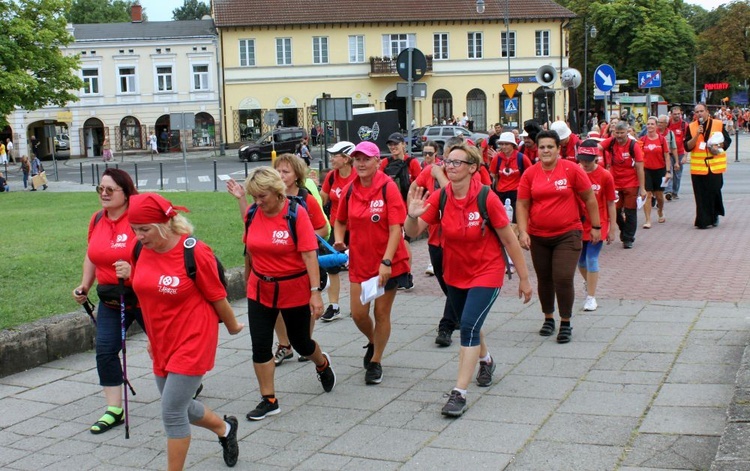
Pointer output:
386, 262
316, 288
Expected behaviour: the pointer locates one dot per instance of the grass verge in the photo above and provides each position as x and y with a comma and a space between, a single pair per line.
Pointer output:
43, 242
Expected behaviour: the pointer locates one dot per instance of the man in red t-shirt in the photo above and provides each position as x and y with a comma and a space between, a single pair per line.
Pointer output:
625, 161
678, 127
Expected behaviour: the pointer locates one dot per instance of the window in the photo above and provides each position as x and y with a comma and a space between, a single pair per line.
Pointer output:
200, 77
440, 46
283, 51
393, 44
508, 44
320, 50
90, 81
247, 52
542, 43
475, 45
356, 49
127, 79
164, 78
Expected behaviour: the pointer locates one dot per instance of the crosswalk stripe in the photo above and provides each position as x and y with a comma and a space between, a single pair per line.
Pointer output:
180, 180
164, 181
142, 182
224, 177
204, 178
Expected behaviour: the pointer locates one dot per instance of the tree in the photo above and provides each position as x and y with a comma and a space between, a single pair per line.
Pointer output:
100, 11
191, 10
34, 72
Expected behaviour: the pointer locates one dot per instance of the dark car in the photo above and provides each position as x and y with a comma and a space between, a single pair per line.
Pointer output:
441, 134
416, 140
283, 140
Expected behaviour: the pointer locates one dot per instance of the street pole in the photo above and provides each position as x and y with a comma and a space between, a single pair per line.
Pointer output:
507, 51
585, 77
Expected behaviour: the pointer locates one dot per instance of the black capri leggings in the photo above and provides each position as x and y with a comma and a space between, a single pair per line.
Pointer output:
262, 320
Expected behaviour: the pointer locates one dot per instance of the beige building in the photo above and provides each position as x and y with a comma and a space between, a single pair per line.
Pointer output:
135, 75
276, 58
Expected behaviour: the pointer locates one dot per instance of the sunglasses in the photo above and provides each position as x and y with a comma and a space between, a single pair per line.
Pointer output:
428, 153
107, 189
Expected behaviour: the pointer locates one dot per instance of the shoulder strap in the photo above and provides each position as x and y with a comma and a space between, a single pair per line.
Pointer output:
189, 256
98, 217
519, 157
482, 203
441, 204
248, 220
631, 150
349, 192
331, 177
137, 251
291, 218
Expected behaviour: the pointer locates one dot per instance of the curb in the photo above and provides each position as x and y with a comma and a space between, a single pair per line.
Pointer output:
45, 340
733, 452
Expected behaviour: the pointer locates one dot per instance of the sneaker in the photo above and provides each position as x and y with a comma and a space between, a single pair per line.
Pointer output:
331, 314
484, 375
456, 405
675, 196
429, 270
590, 304
408, 284
374, 373
443, 338
264, 408
282, 353
229, 443
368, 354
627, 245
327, 377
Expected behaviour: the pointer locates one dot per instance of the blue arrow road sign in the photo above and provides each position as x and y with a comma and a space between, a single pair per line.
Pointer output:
649, 79
511, 105
604, 77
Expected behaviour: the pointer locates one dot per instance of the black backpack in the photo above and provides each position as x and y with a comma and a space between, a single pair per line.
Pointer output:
611, 152
398, 170
189, 255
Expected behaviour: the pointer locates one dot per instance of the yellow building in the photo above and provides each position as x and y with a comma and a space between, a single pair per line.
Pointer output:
283, 57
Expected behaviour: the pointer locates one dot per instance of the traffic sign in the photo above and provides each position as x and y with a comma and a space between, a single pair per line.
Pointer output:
510, 89
511, 105
604, 77
271, 118
649, 79
418, 64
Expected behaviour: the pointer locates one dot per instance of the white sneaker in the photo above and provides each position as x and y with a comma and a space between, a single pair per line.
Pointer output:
429, 271
590, 304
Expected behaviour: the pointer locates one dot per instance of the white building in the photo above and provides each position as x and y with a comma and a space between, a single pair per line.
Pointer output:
135, 74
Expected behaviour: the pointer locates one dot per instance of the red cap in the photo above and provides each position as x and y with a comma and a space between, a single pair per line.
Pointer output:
151, 208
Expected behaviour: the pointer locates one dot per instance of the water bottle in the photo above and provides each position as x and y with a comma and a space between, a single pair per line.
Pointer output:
508, 209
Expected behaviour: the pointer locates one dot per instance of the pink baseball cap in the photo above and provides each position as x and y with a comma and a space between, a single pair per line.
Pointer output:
366, 148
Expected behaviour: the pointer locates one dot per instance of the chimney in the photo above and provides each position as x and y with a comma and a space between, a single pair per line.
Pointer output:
136, 13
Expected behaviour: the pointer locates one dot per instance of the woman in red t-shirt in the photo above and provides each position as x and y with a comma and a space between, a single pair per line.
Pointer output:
655, 158
549, 225
182, 321
333, 187
505, 172
110, 239
282, 276
373, 211
472, 260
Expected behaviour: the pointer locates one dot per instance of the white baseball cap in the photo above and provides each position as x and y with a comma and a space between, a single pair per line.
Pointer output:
341, 147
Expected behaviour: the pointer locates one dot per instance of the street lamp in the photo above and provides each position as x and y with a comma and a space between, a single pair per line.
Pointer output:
586, 31
480, 10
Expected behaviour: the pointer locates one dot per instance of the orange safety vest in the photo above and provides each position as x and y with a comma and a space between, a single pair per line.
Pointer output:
701, 160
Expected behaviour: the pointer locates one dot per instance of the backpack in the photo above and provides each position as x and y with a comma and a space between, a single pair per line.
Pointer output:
482, 203
519, 162
189, 255
398, 170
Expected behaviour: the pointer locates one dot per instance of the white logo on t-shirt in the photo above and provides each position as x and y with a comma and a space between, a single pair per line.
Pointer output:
168, 284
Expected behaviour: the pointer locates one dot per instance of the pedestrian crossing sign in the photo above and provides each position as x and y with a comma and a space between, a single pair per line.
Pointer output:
511, 105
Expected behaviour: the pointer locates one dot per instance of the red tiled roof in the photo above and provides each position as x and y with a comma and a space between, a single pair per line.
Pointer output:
295, 12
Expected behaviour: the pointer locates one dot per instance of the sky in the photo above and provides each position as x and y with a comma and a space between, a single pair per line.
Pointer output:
161, 10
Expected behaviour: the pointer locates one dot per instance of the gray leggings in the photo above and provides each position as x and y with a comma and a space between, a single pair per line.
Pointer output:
178, 409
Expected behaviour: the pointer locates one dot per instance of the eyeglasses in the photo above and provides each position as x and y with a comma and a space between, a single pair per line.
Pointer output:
455, 163
107, 189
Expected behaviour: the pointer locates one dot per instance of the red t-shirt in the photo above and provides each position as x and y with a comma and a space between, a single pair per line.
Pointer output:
428, 182
653, 152
334, 190
531, 152
109, 241
506, 168
470, 259
621, 163
414, 167
554, 207
603, 186
368, 218
274, 254
484, 176
678, 129
181, 323
568, 151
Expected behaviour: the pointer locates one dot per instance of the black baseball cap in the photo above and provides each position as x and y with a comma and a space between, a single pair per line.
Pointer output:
396, 137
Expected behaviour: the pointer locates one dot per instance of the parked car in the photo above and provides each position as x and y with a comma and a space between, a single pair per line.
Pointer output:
282, 139
442, 133
62, 142
416, 140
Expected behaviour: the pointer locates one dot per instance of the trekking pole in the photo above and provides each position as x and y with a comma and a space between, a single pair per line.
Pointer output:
89, 307
126, 383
